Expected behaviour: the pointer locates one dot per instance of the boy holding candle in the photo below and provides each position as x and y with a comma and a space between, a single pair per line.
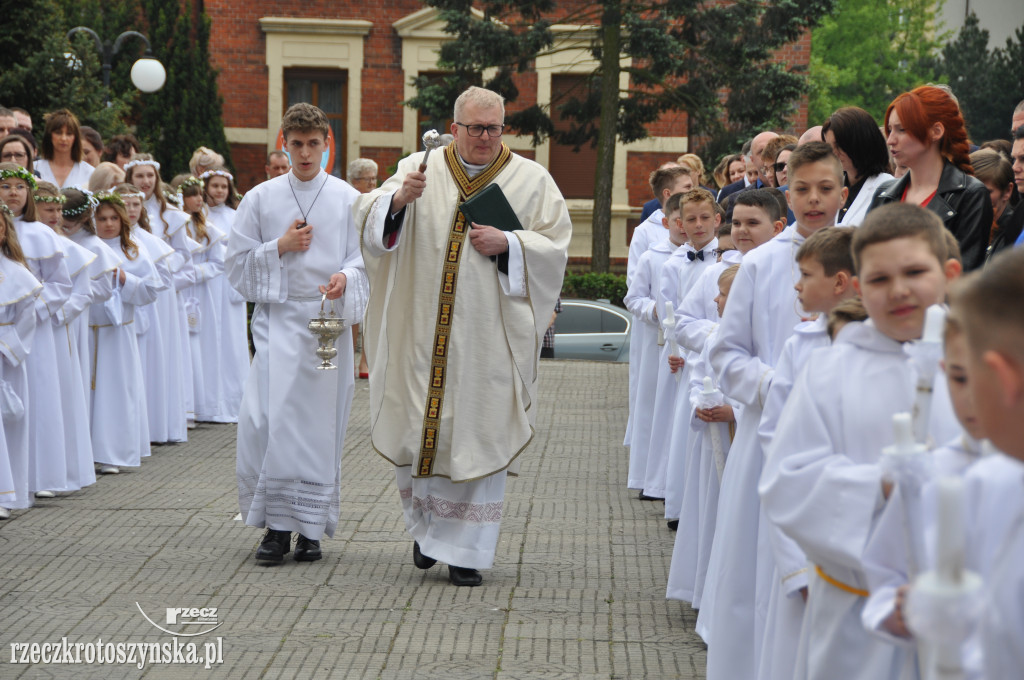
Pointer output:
763, 311
826, 280
699, 220
987, 305
822, 484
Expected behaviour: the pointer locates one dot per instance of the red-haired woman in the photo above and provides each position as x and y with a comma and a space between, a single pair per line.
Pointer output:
925, 132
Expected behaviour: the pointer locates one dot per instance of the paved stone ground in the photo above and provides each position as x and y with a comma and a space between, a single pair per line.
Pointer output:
577, 590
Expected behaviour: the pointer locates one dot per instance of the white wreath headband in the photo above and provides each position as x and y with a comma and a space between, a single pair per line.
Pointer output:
141, 196
132, 164
218, 173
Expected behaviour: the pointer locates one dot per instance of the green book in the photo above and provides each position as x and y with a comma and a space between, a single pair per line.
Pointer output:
490, 207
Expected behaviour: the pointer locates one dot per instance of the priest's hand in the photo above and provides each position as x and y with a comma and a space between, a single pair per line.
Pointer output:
335, 288
412, 188
297, 238
488, 240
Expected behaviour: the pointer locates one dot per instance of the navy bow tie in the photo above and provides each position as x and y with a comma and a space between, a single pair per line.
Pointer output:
698, 255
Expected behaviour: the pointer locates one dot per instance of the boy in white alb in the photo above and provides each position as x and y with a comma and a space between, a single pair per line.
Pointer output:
822, 483
642, 299
826, 280
757, 218
666, 181
987, 305
699, 220
763, 311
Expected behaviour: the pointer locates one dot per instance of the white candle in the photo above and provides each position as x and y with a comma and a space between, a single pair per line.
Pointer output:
709, 385
934, 323
950, 550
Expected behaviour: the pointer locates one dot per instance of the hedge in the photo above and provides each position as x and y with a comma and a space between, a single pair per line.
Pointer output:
592, 286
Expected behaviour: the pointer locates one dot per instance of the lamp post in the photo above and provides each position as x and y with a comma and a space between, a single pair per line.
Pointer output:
148, 73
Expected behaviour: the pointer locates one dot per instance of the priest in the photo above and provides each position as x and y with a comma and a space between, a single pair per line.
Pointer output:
453, 330
294, 240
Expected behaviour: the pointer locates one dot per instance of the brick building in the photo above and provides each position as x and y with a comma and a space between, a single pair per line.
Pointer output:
356, 61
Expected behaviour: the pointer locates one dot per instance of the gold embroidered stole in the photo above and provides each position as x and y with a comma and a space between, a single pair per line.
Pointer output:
467, 187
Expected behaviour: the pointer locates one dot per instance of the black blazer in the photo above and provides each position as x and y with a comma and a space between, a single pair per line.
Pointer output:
1008, 229
961, 202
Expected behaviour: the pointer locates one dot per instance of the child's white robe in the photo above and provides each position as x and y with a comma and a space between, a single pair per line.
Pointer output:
234, 347
759, 318
789, 572
645, 235
159, 352
677, 276
642, 301
679, 441
206, 336
44, 253
19, 291
120, 419
822, 486
81, 471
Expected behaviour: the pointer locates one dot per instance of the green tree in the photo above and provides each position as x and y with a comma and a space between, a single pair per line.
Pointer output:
186, 112
1009, 80
41, 71
867, 52
679, 55
973, 73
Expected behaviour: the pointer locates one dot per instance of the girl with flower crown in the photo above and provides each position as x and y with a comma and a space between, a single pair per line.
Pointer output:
160, 345
19, 294
44, 255
205, 317
91, 278
168, 223
221, 200
120, 420
76, 224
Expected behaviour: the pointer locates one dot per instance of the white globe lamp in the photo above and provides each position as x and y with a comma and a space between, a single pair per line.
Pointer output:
148, 74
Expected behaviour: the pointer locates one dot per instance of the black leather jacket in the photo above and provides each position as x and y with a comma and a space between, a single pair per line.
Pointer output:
961, 202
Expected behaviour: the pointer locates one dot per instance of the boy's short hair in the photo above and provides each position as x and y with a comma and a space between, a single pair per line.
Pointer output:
698, 195
986, 303
900, 220
724, 227
813, 152
674, 203
304, 117
780, 197
664, 177
845, 312
830, 247
760, 198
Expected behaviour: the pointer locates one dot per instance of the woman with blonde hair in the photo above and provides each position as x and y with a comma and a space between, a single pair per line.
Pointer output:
105, 177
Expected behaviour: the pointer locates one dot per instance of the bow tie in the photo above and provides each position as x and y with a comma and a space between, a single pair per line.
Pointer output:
698, 255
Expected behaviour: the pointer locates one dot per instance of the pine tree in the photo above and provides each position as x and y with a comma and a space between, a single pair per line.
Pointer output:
972, 72
186, 113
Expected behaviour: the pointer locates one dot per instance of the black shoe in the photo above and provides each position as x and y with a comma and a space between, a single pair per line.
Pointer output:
673, 525
307, 550
645, 497
464, 576
421, 560
275, 545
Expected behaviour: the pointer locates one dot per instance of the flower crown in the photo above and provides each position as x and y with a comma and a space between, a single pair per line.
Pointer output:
131, 164
127, 194
90, 203
191, 181
110, 197
217, 173
5, 210
20, 173
60, 199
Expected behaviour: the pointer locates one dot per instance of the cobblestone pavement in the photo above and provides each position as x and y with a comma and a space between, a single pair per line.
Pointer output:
577, 590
